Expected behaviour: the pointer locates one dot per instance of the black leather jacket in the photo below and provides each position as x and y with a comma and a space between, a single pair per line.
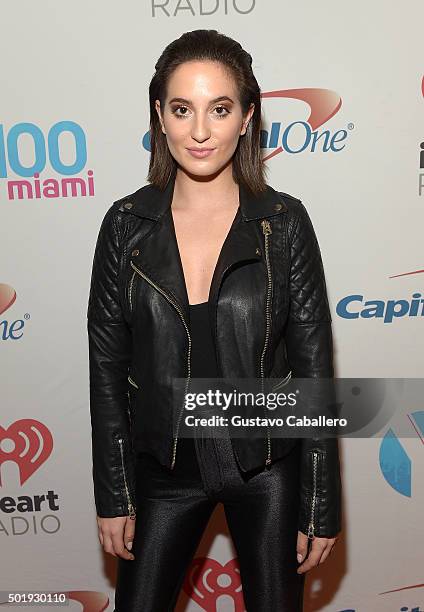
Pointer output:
269, 302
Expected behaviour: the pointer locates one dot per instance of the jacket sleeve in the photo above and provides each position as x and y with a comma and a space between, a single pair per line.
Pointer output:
110, 342
309, 345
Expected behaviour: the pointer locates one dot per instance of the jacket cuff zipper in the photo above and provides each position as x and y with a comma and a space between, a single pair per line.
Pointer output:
131, 508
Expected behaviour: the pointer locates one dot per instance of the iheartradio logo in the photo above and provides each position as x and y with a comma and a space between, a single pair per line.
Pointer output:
207, 580
28, 443
10, 330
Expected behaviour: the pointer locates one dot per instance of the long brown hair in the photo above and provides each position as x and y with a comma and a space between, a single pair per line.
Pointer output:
247, 165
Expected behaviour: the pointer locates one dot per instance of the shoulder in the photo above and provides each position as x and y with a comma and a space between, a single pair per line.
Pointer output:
140, 195
290, 199
296, 209
116, 214
299, 220
294, 204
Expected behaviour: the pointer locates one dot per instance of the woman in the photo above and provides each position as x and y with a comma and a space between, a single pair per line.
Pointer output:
207, 271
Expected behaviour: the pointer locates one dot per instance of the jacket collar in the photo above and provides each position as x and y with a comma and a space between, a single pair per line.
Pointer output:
151, 202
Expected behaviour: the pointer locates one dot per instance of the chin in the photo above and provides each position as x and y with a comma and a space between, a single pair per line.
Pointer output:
201, 172
199, 168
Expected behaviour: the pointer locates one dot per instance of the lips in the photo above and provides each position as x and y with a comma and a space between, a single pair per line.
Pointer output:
200, 152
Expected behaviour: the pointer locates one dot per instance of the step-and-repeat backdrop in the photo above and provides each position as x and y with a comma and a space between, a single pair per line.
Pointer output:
74, 105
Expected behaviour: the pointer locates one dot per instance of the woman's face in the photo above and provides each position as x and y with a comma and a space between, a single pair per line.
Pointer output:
202, 111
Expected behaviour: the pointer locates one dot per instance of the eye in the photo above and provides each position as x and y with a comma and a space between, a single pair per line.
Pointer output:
174, 111
220, 115
227, 112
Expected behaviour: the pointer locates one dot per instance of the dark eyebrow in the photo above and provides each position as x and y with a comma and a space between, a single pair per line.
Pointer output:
218, 99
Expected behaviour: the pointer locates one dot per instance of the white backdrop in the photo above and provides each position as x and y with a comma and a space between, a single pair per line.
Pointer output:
89, 65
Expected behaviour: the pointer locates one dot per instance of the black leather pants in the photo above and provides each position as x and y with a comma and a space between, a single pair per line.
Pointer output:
173, 510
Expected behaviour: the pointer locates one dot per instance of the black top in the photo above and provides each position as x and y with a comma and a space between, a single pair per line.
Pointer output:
203, 357
203, 365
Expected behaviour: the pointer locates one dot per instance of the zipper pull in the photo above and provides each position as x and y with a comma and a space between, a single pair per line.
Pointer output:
266, 227
311, 531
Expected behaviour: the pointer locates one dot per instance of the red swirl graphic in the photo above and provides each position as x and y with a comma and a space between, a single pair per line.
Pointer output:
323, 104
7, 297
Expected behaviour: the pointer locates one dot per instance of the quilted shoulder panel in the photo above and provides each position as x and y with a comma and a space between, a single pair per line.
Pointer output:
104, 301
308, 292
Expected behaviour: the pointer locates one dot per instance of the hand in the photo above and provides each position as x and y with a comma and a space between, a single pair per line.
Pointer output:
320, 549
116, 535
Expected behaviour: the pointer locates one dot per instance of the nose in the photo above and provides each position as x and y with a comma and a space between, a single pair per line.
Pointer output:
200, 128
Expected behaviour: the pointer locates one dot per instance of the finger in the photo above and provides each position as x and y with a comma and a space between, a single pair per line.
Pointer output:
302, 546
129, 533
326, 552
324, 555
100, 533
119, 548
108, 546
314, 556
311, 561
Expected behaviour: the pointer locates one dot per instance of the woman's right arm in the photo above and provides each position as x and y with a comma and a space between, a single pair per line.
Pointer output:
309, 343
110, 347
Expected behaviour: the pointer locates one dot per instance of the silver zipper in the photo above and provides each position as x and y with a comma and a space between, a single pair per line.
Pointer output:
130, 288
132, 382
311, 527
178, 309
266, 229
131, 509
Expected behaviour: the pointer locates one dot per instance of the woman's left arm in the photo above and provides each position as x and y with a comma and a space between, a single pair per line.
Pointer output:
309, 345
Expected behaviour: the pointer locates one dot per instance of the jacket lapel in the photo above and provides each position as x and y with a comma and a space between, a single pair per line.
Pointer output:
158, 257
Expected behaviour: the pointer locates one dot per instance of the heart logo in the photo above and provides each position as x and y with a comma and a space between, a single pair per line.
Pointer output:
33, 444
207, 580
7, 297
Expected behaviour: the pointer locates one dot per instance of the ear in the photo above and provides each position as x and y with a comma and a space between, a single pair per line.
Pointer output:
157, 107
247, 118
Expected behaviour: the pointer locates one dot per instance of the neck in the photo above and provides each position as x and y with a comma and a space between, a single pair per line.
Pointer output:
214, 191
